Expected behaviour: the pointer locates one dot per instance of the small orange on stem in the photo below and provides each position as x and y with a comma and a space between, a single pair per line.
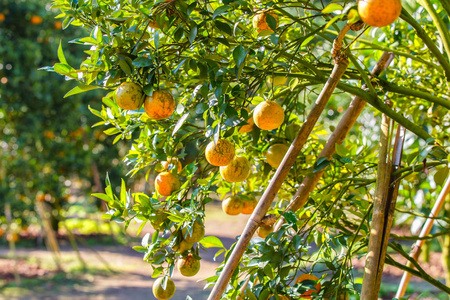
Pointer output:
249, 205
264, 230
161, 293
129, 96
36, 20
58, 25
188, 266
237, 170
268, 115
232, 205
196, 234
275, 154
2, 17
166, 183
159, 105
379, 13
219, 154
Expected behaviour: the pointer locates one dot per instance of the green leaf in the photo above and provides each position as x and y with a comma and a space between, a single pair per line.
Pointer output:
332, 21
156, 39
211, 241
192, 34
341, 150
239, 54
441, 176
80, 89
62, 58
220, 10
224, 27
102, 196
64, 69
271, 22
111, 131
180, 123
332, 7
123, 192
139, 249
142, 62
353, 16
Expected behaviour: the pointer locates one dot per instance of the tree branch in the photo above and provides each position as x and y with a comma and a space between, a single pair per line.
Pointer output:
427, 40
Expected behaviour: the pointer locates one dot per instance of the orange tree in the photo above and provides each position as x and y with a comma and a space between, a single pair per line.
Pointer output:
45, 142
203, 82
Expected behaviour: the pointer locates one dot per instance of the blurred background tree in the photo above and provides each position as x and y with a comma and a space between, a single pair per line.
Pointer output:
48, 148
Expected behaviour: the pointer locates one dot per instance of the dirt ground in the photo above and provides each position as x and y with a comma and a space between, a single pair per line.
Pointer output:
132, 276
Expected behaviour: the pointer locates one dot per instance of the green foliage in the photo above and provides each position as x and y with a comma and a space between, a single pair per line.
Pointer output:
215, 64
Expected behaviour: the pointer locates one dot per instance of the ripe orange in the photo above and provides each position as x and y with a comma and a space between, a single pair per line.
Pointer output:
379, 13
264, 231
196, 234
58, 25
275, 154
188, 266
259, 21
2, 17
182, 246
166, 183
237, 170
249, 205
219, 154
159, 105
163, 294
129, 96
268, 115
232, 205
36, 20
171, 162
49, 134
308, 293
12, 237
249, 127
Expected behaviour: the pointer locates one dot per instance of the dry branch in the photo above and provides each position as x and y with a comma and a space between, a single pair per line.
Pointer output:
338, 136
425, 231
281, 173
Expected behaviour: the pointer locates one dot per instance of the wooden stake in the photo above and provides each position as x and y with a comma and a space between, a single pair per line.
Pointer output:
385, 199
338, 136
281, 173
425, 231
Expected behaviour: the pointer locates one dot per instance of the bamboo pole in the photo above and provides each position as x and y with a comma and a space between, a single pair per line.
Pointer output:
425, 231
338, 136
383, 212
341, 64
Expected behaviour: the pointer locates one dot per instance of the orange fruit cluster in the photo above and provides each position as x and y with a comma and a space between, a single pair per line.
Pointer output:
236, 205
